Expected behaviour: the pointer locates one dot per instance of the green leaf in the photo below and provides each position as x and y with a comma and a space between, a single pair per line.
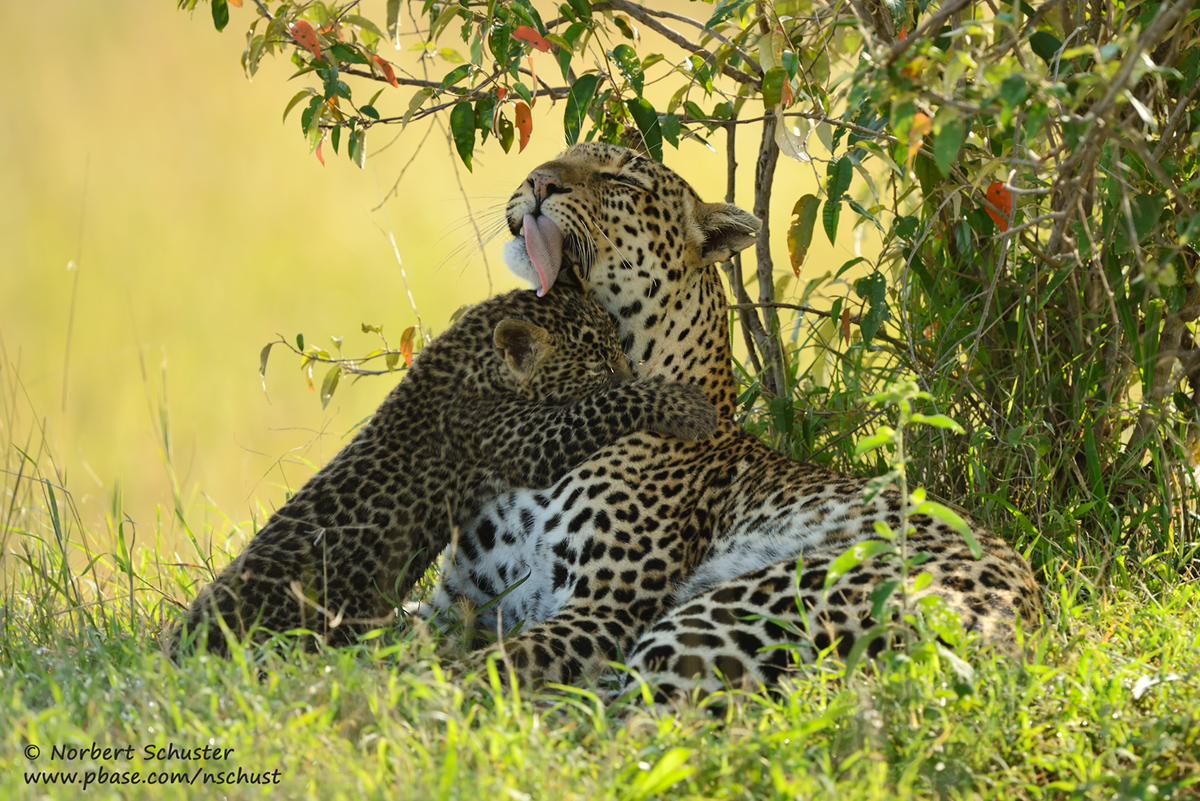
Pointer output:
630, 66
343, 52
454, 76
950, 517
300, 342
523, 92
369, 111
669, 124
1014, 90
335, 138
665, 773
839, 173
880, 595
937, 421
578, 103
772, 86
358, 147
800, 233
860, 646
854, 556
364, 23
220, 12
262, 363
880, 438
783, 414
830, 216
504, 132
296, 98
724, 10
418, 100
647, 122
462, 126
393, 17
1045, 46
872, 288
329, 385
946, 145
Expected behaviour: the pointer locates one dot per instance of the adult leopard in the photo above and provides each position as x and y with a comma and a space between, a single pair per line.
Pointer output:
517, 391
656, 549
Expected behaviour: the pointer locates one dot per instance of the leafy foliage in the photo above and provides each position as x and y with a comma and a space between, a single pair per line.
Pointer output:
1023, 176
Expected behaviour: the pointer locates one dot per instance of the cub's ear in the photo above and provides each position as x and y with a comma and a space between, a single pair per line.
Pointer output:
727, 230
521, 345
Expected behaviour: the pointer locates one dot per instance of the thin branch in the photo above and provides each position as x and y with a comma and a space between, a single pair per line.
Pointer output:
643, 16
856, 319
931, 23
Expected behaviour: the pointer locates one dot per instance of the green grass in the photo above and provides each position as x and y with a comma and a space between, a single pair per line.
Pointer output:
1105, 703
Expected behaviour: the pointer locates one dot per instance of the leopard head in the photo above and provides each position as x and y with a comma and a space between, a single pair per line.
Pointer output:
643, 241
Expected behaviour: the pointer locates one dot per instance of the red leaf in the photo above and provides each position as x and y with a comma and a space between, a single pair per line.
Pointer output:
406, 345
921, 125
1002, 199
501, 91
388, 72
527, 34
524, 124
320, 145
306, 37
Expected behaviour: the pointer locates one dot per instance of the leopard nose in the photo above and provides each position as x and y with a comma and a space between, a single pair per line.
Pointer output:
544, 184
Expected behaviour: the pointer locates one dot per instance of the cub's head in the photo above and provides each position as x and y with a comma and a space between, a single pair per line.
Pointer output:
621, 222
553, 349
561, 365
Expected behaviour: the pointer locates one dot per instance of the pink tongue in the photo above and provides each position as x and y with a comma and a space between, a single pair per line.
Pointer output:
543, 242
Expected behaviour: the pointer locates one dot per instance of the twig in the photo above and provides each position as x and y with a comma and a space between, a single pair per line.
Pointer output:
643, 16
931, 23
856, 319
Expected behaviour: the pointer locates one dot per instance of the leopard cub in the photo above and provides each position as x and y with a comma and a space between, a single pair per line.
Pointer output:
514, 394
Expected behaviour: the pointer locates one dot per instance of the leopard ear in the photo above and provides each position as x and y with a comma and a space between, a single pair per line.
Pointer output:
521, 345
727, 230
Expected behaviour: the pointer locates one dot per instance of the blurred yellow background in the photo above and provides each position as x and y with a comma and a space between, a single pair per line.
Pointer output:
132, 144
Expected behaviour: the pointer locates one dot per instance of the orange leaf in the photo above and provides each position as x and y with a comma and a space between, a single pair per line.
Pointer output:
1002, 199
320, 145
306, 37
333, 27
388, 72
501, 91
406, 345
846, 325
527, 34
235, 3
524, 124
921, 125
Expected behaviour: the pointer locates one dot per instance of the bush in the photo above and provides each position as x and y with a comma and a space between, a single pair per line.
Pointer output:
1029, 172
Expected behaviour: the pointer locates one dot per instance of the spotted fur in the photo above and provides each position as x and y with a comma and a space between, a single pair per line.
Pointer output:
656, 550
513, 394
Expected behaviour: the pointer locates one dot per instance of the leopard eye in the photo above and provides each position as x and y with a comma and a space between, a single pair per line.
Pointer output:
624, 180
